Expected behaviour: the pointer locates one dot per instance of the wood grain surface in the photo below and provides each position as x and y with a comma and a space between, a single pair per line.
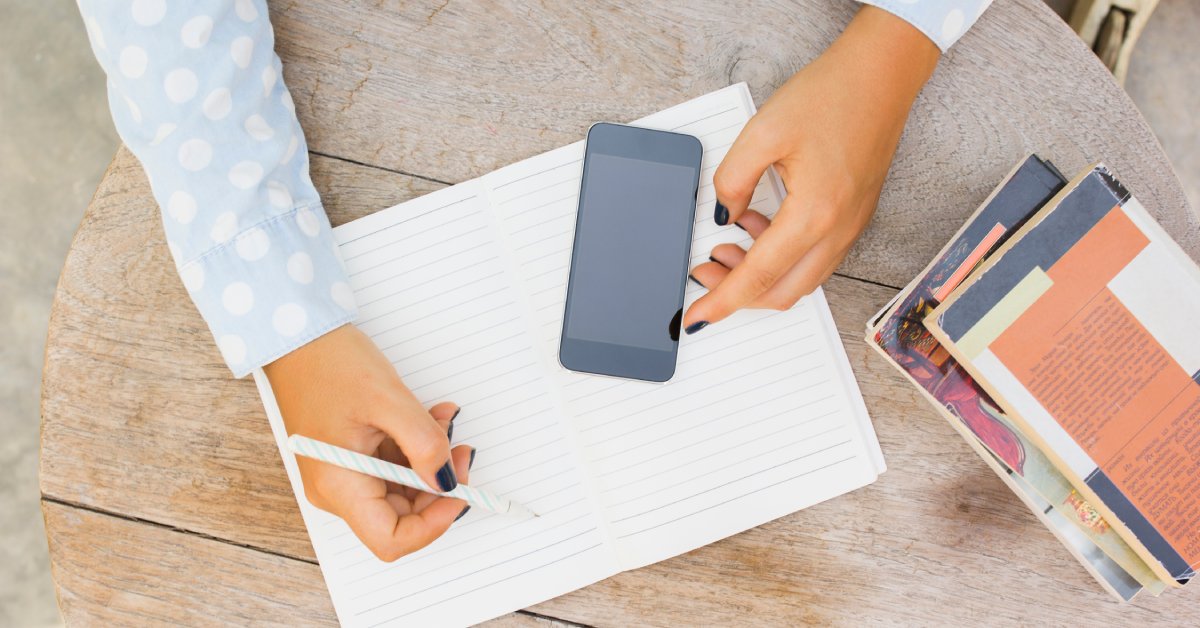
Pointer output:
164, 498
144, 574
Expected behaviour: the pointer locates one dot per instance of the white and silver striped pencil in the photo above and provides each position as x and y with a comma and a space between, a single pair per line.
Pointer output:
385, 470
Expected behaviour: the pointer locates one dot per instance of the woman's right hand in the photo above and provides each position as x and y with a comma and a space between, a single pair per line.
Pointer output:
340, 389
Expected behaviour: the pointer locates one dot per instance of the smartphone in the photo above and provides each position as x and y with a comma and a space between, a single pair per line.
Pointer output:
629, 265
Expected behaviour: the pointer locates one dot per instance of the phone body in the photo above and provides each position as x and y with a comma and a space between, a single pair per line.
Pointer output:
629, 263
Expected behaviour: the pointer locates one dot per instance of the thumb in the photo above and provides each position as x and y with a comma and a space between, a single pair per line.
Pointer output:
423, 441
739, 173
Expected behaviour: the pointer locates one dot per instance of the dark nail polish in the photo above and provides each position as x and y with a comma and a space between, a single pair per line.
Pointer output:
450, 430
446, 479
739, 226
695, 327
720, 214
695, 280
714, 260
472, 462
463, 513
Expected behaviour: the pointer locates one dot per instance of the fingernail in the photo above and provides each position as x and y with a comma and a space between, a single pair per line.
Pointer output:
720, 214
713, 259
446, 479
463, 513
695, 327
450, 430
739, 226
472, 461
695, 280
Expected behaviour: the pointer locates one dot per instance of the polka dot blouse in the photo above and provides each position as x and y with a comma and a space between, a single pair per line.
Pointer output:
943, 21
197, 94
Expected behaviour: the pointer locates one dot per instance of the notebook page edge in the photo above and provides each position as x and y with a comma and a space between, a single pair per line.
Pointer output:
870, 440
279, 433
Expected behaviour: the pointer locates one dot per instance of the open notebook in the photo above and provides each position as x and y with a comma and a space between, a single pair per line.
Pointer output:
463, 290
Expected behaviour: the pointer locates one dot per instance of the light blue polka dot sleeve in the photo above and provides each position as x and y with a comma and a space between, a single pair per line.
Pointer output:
943, 21
196, 93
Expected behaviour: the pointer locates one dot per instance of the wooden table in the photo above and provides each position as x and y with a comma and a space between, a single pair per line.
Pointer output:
163, 492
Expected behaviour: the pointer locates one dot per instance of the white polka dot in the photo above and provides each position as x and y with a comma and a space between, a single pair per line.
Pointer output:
287, 101
233, 349
196, 31
278, 195
164, 130
132, 61
291, 150
300, 268
268, 80
195, 154
135, 112
192, 276
308, 222
180, 85
97, 35
253, 244
953, 24
182, 207
258, 128
342, 295
149, 12
246, 174
217, 104
289, 319
245, 9
241, 50
224, 227
237, 298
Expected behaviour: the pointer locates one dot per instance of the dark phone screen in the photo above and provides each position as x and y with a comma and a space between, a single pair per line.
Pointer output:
631, 251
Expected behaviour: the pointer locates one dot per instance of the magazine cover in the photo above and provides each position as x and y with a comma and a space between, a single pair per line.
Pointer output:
1082, 326
901, 337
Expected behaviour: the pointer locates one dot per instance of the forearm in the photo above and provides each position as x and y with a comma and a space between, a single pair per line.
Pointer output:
891, 57
196, 93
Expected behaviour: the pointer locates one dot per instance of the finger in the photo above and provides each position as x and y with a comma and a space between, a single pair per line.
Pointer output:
754, 223
774, 252
803, 278
740, 171
390, 452
422, 441
445, 413
709, 274
462, 465
390, 529
729, 255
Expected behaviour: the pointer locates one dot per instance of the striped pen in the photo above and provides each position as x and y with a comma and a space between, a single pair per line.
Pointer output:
384, 470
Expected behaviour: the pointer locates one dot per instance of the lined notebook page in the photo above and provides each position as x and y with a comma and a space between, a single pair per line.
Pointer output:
762, 417
463, 292
434, 297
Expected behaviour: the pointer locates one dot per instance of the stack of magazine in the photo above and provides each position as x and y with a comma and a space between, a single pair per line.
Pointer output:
1059, 333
